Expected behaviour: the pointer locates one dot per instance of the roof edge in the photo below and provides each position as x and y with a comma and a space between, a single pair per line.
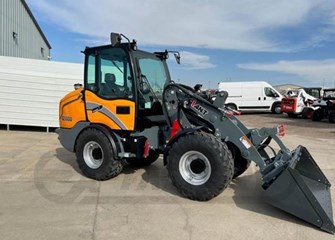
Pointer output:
35, 22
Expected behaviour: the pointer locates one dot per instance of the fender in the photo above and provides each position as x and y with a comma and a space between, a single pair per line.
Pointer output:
68, 137
113, 138
275, 103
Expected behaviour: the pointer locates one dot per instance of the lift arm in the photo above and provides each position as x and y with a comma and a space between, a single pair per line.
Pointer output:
188, 110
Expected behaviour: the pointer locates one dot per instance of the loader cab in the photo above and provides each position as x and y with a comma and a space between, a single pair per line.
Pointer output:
108, 73
126, 83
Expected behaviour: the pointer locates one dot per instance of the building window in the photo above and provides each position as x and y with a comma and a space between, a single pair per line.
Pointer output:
42, 51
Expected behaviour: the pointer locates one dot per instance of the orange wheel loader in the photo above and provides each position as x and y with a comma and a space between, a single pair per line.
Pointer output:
129, 111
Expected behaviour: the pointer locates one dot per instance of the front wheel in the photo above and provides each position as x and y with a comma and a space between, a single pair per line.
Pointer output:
241, 164
95, 156
200, 166
276, 108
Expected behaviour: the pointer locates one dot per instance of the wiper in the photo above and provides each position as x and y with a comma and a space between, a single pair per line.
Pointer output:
117, 66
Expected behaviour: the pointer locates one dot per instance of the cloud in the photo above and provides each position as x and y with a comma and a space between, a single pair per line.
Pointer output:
192, 61
313, 70
218, 24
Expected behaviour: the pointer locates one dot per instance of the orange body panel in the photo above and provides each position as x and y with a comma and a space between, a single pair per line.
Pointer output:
104, 111
71, 109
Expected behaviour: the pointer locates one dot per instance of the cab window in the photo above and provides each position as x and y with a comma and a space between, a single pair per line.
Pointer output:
153, 79
269, 92
109, 75
115, 76
90, 74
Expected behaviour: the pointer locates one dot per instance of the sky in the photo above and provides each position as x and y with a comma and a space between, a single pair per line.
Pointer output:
281, 42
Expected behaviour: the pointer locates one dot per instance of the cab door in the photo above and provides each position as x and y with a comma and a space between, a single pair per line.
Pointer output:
109, 88
270, 96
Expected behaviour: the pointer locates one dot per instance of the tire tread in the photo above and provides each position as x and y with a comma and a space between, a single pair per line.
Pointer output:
110, 167
224, 163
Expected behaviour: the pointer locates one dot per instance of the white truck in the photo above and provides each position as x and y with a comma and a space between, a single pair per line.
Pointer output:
252, 96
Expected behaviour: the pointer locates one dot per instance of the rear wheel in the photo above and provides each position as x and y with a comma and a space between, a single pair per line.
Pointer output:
200, 166
307, 113
317, 115
95, 156
241, 164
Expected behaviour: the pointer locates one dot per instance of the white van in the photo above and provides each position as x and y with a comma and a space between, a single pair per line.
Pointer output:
255, 96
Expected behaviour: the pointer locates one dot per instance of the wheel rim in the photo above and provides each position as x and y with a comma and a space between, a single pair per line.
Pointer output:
194, 168
93, 155
278, 109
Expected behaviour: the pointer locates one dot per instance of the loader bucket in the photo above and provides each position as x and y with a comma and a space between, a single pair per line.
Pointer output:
303, 190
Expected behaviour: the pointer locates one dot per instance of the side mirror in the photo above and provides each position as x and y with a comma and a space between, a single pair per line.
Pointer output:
115, 39
177, 56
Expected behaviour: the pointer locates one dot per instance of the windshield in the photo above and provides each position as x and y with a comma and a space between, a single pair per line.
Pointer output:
269, 92
329, 94
154, 71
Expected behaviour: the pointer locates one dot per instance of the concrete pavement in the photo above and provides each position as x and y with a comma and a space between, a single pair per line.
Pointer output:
44, 196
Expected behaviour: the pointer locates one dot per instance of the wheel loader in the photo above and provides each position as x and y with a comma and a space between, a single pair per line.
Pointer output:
129, 111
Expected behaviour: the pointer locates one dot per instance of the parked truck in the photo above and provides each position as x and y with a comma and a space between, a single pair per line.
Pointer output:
255, 96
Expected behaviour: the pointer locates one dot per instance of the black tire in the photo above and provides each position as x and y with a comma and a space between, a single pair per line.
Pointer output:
95, 155
276, 108
200, 166
143, 162
231, 106
317, 115
307, 113
241, 164
331, 117
304, 113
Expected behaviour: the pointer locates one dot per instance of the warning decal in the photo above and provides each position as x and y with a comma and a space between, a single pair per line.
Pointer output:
246, 142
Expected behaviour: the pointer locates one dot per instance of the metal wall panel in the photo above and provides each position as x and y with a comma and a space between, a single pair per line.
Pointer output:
30, 90
19, 36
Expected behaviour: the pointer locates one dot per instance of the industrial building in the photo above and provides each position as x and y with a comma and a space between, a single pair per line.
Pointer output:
30, 86
20, 34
